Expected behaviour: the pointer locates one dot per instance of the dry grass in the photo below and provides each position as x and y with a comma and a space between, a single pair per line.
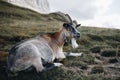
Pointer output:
17, 24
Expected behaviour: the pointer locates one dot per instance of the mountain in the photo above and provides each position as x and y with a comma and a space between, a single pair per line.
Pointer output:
101, 46
41, 6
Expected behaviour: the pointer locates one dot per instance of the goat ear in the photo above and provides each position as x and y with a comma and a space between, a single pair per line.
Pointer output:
78, 25
65, 25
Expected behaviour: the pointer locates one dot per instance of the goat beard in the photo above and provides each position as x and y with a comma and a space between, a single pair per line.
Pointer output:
74, 43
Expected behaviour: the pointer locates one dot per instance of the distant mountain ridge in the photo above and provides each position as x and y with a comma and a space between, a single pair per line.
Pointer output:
41, 6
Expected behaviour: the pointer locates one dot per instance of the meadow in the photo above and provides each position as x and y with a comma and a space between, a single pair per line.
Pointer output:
100, 46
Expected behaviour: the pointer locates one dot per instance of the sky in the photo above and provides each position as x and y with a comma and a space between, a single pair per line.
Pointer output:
96, 13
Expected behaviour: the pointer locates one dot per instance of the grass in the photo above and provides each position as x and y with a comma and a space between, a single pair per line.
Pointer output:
17, 24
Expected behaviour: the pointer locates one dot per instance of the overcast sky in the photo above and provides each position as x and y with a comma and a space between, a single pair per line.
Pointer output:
101, 13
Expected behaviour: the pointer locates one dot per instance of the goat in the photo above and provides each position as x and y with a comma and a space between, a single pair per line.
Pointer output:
42, 49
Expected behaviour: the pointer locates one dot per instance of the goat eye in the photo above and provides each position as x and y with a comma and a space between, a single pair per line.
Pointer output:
68, 28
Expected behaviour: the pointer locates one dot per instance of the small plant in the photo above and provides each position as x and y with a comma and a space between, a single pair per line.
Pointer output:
108, 53
97, 69
114, 60
95, 49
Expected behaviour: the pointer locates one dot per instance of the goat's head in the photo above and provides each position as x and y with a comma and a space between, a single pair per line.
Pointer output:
71, 30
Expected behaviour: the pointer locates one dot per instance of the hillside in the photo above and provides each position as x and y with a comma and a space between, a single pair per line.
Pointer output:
101, 47
41, 6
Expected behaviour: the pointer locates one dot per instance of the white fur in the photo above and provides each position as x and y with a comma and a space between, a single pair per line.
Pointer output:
74, 43
75, 54
57, 64
60, 54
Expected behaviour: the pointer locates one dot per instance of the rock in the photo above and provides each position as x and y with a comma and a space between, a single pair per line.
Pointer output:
41, 6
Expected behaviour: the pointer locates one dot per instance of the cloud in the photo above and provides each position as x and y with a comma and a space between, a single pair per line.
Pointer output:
102, 13
115, 7
84, 9
109, 21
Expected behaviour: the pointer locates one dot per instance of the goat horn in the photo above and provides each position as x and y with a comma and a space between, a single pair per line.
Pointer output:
68, 18
75, 22
65, 16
